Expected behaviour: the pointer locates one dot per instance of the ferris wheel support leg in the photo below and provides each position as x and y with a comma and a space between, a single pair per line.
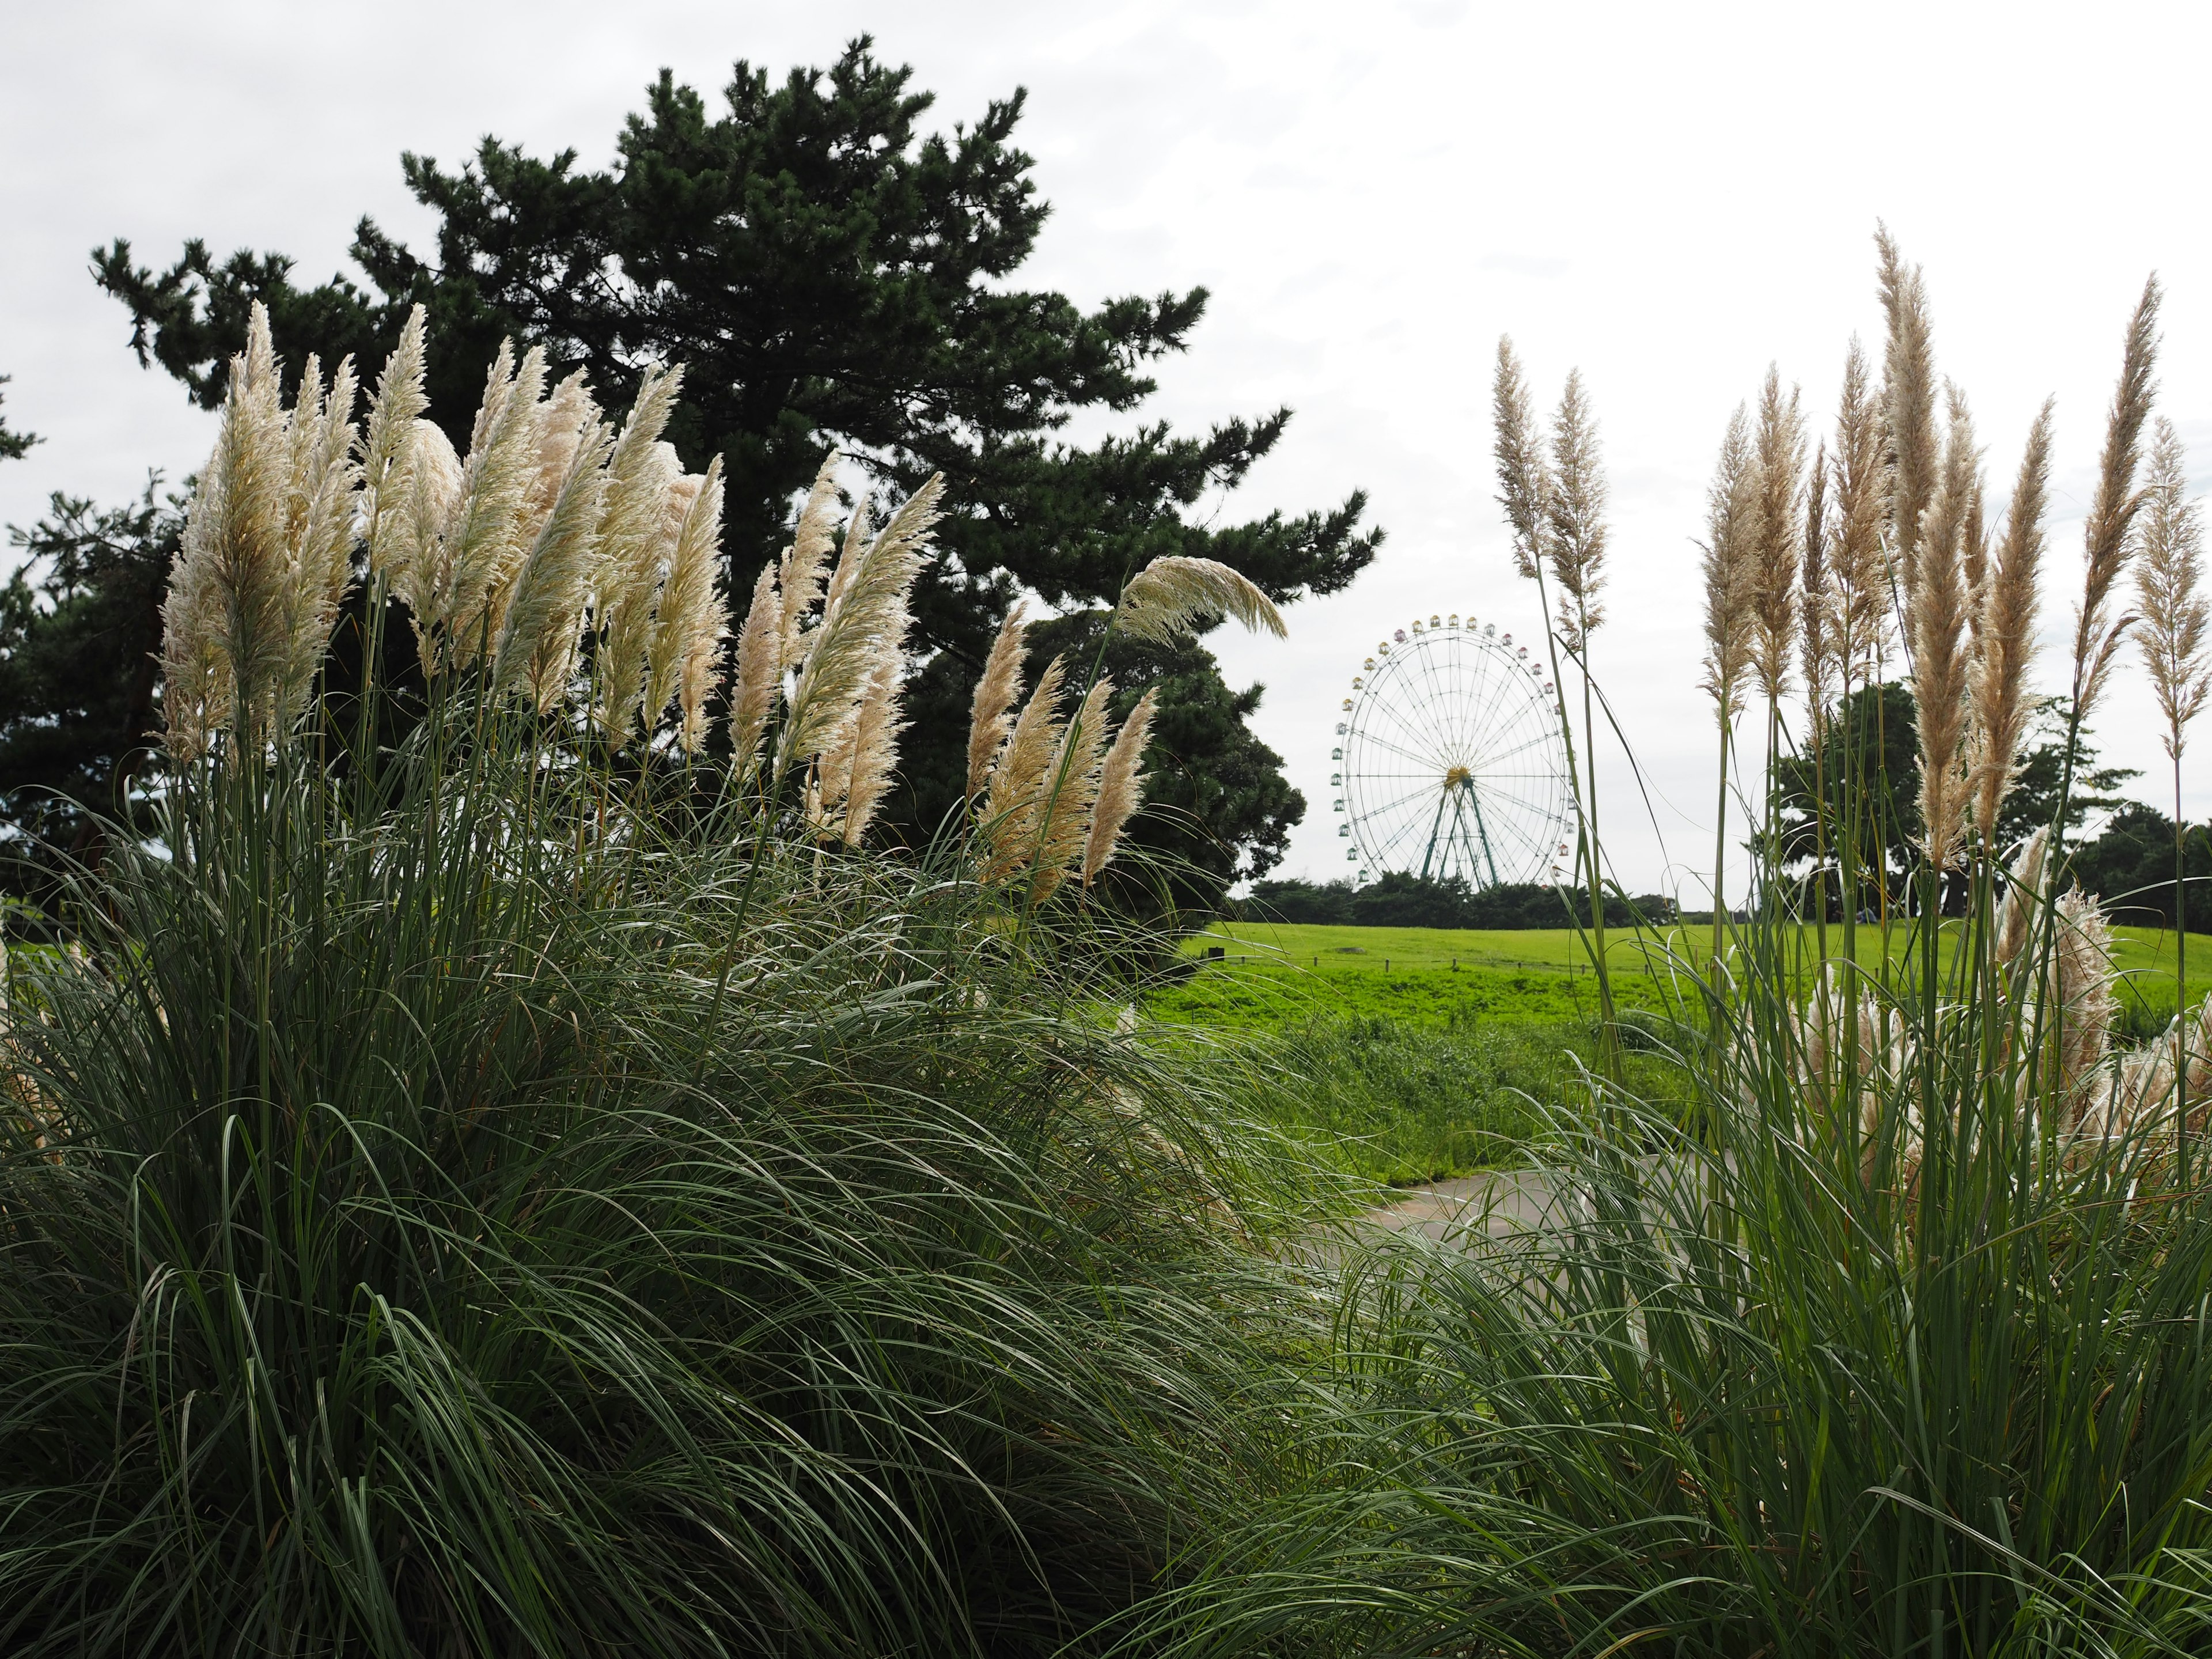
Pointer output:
1482, 834
1429, 857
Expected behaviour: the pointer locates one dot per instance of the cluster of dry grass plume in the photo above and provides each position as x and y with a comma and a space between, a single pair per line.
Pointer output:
552, 534
560, 542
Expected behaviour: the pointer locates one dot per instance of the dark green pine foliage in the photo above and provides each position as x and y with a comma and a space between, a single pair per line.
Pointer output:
829, 275
14, 446
80, 622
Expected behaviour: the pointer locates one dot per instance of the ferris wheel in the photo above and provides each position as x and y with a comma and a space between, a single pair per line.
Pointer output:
1449, 760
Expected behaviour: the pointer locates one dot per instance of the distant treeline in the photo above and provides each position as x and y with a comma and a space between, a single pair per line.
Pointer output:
1407, 900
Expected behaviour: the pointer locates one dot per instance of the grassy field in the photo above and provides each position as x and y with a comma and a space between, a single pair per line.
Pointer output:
1410, 1055
1270, 972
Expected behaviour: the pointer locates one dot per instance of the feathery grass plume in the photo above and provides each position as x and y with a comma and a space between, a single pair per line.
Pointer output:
1730, 567
1908, 399
388, 445
633, 548
2024, 897
561, 417
1816, 595
760, 673
701, 616
840, 653
1172, 593
798, 579
458, 560
1574, 517
2005, 636
2172, 633
319, 528
226, 637
2085, 992
1120, 788
539, 633
876, 727
1937, 620
1776, 549
1020, 777
2097, 634
1860, 571
432, 483
1974, 563
991, 715
1071, 790
1523, 477
664, 625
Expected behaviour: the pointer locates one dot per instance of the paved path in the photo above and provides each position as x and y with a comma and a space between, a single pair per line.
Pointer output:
1496, 1201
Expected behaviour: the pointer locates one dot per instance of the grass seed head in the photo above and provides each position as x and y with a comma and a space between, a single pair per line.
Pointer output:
991, 716
2171, 635
1172, 594
2097, 633
2005, 636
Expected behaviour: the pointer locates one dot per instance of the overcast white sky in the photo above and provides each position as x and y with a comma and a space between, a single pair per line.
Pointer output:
1669, 197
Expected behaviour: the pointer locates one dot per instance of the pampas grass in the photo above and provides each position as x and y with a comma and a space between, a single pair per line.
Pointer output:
1908, 404
389, 447
1574, 517
1817, 624
1776, 550
692, 619
991, 714
2172, 633
536, 648
635, 544
760, 667
1523, 477
2005, 637
1120, 788
1860, 570
1935, 621
1169, 596
2097, 632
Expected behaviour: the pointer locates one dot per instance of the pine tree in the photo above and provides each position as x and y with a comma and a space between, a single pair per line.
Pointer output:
829, 275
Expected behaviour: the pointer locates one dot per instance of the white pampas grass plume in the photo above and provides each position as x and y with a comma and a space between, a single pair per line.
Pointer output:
876, 724
2172, 633
389, 442
1816, 595
2097, 634
760, 671
319, 528
1937, 619
1776, 550
1730, 569
1574, 518
1859, 571
2006, 636
2024, 897
538, 636
869, 602
1120, 788
991, 716
225, 637
694, 618
432, 485
1523, 478
1020, 777
799, 577
1172, 593
1071, 790
2085, 990
474, 548
1908, 398
633, 548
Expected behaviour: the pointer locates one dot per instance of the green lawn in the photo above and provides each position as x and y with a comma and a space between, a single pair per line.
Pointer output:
1435, 977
